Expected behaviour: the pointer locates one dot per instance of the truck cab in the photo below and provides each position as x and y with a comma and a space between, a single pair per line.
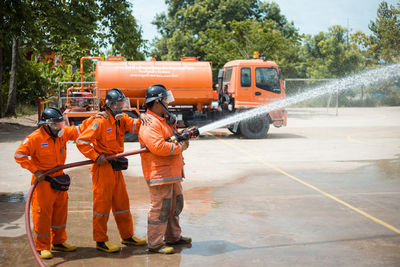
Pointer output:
246, 84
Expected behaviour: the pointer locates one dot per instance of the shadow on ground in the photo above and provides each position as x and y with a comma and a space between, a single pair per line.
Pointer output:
10, 132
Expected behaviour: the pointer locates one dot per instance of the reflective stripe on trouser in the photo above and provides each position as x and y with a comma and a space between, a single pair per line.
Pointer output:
163, 217
49, 216
109, 193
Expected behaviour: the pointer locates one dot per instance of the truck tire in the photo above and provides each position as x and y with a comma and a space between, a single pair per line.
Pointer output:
131, 137
255, 128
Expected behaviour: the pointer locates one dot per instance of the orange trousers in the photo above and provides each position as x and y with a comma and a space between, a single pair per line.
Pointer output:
163, 218
49, 215
109, 192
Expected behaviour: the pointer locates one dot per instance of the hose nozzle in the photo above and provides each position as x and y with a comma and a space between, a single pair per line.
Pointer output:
185, 135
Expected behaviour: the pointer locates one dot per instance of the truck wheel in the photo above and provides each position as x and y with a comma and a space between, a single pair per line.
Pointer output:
255, 128
131, 137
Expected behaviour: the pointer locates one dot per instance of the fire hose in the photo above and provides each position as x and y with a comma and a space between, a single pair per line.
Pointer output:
178, 137
58, 168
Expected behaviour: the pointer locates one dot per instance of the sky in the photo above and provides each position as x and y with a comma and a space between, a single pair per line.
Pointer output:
309, 16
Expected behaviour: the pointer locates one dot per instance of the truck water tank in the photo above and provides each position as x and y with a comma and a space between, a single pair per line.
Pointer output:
190, 81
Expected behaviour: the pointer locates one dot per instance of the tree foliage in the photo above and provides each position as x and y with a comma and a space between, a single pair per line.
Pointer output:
214, 30
186, 21
123, 33
222, 30
329, 55
366, 46
69, 28
386, 29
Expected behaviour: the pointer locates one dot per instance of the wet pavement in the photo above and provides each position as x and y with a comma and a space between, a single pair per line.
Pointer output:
324, 191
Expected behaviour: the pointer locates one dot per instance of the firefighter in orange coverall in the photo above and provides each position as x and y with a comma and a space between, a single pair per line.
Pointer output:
105, 136
42, 150
163, 171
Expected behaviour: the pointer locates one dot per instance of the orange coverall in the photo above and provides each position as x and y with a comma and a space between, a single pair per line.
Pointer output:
106, 136
163, 171
49, 207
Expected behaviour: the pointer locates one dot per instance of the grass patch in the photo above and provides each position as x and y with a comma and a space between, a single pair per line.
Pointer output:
25, 109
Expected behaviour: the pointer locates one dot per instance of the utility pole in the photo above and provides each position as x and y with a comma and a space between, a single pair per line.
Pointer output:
347, 30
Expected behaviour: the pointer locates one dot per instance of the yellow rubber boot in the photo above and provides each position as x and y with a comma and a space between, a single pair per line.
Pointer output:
163, 250
45, 254
133, 241
63, 247
107, 247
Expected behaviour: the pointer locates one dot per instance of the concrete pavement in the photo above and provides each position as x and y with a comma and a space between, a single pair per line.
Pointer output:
323, 191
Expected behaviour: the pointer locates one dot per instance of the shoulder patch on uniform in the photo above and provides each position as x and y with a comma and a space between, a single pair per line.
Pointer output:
95, 126
44, 144
25, 141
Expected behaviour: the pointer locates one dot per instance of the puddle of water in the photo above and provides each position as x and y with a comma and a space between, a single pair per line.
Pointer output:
388, 169
13, 197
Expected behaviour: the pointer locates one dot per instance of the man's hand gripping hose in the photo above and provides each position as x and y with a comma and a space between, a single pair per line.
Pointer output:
185, 135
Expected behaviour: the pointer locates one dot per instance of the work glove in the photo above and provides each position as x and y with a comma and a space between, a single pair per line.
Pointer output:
184, 144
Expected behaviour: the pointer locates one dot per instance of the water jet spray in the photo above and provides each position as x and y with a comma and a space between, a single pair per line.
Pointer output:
347, 83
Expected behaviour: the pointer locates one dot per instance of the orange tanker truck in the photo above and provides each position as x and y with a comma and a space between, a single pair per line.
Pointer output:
242, 85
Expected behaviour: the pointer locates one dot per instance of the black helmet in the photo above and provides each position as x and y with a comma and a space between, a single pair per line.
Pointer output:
114, 95
51, 115
155, 92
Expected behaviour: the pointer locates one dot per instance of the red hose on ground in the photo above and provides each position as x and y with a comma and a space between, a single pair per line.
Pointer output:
58, 168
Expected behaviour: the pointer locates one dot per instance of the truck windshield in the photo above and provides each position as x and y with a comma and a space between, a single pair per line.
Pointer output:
267, 79
228, 74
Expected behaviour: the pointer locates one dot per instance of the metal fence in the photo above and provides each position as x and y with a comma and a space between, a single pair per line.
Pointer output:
294, 86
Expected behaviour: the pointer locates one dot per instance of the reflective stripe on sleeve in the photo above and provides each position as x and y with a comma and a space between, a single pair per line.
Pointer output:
37, 235
58, 226
172, 150
157, 223
77, 128
101, 215
133, 126
20, 156
81, 141
162, 180
119, 212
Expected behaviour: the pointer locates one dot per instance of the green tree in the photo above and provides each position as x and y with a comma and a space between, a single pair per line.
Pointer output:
386, 29
182, 28
245, 37
69, 28
122, 32
16, 26
329, 55
221, 30
367, 47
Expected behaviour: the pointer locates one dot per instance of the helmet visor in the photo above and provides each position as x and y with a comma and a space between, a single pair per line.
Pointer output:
169, 98
119, 106
56, 126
